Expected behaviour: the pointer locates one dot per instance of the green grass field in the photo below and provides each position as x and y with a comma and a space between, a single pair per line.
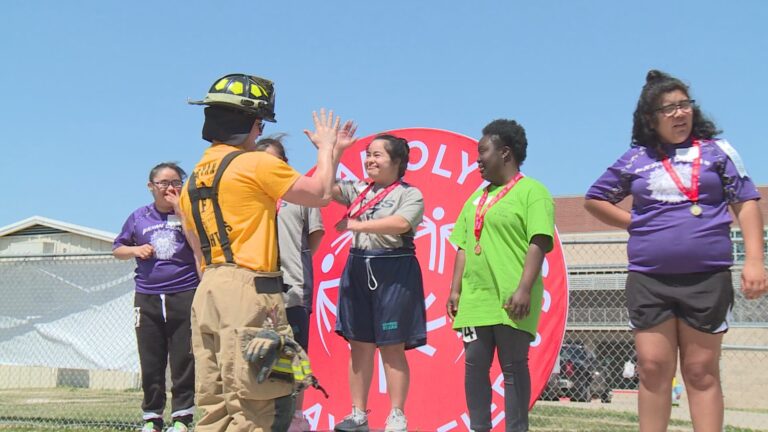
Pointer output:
82, 410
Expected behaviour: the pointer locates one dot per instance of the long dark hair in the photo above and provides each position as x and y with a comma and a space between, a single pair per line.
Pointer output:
397, 149
658, 83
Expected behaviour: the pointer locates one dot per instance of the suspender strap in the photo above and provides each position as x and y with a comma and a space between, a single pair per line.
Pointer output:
195, 196
211, 193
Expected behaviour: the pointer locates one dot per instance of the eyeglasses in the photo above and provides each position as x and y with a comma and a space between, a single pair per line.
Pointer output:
165, 184
261, 125
684, 106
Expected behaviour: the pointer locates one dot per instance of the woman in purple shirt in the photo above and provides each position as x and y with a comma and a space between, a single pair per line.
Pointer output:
166, 278
679, 290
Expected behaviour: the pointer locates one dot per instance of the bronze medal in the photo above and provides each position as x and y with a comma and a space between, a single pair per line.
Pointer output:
478, 249
696, 210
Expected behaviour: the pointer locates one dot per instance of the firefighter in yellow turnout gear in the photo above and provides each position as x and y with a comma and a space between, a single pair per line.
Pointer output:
245, 358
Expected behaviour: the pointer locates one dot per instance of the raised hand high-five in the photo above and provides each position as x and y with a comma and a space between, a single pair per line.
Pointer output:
326, 130
346, 136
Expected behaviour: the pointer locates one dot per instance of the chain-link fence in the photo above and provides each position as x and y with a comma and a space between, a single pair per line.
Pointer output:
67, 345
598, 350
68, 351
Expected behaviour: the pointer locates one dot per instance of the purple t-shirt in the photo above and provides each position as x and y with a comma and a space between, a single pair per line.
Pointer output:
664, 237
172, 267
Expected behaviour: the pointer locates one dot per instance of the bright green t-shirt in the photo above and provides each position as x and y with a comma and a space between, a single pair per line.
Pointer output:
490, 278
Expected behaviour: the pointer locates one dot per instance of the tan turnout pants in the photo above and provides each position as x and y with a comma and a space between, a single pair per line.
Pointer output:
229, 300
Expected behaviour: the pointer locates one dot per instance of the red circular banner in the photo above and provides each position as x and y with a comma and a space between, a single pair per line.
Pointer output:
443, 166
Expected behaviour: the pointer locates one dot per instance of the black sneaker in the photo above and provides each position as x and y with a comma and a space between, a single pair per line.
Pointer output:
153, 425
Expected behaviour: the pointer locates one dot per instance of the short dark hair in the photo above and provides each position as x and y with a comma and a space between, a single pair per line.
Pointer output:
397, 149
508, 133
275, 141
171, 165
658, 83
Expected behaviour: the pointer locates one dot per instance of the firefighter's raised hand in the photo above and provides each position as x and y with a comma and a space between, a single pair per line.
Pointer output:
327, 127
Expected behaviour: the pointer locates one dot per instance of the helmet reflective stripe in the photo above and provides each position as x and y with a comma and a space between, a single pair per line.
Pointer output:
221, 84
258, 90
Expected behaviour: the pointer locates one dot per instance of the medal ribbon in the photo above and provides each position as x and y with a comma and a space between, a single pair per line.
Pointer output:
375, 200
692, 193
480, 212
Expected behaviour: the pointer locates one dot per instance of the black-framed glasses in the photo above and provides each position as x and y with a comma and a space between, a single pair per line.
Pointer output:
165, 184
261, 125
684, 106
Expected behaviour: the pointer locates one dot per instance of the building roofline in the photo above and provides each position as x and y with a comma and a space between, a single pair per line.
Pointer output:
64, 226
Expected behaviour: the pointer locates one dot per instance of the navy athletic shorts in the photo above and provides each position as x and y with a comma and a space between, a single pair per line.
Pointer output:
381, 298
703, 300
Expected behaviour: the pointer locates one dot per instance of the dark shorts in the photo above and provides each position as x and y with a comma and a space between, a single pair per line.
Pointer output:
298, 318
703, 300
381, 298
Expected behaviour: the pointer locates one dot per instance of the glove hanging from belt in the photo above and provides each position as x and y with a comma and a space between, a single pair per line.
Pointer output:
278, 356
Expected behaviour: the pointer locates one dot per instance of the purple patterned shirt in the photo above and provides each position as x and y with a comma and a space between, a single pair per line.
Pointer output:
664, 237
172, 267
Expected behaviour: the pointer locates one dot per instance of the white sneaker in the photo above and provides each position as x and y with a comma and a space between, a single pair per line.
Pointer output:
299, 423
396, 422
357, 421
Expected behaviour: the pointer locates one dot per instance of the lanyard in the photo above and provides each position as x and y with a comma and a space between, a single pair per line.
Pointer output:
375, 200
692, 192
480, 212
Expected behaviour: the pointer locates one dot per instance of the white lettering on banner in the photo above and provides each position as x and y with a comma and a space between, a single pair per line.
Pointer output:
466, 167
313, 415
424, 155
438, 161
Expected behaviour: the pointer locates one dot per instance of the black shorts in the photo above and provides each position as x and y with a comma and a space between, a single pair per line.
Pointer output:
381, 298
703, 300
298, 318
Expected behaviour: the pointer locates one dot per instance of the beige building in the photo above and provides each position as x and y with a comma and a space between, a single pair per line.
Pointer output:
40, 236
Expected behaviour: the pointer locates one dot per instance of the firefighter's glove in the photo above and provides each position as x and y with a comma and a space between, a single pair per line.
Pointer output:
263, 352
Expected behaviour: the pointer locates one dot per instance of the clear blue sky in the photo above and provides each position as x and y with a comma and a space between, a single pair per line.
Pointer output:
95, 91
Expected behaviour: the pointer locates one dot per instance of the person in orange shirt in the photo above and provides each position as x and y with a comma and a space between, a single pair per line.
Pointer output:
229, 205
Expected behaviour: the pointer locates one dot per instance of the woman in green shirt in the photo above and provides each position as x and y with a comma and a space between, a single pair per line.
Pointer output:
502, 232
